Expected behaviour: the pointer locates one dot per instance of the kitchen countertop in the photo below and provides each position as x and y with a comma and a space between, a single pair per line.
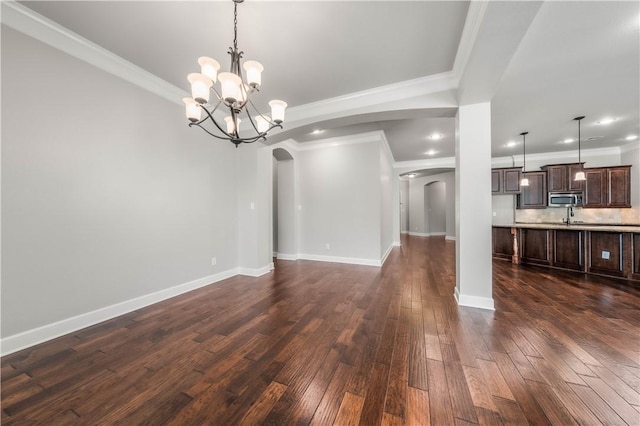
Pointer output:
574, 226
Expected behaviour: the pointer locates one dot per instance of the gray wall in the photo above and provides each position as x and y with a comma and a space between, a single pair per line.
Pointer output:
286, 212
107, 195
386, 202
417, 218
435, 207
404, 207
340, 198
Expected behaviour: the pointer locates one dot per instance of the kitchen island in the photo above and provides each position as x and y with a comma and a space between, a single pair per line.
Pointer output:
603, 249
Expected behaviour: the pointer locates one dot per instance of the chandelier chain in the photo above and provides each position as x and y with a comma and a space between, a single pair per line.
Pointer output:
235, 26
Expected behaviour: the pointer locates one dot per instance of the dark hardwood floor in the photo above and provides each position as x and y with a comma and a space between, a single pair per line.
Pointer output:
321, 343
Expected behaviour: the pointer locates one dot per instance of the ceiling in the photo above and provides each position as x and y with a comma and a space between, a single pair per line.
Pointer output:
573, 58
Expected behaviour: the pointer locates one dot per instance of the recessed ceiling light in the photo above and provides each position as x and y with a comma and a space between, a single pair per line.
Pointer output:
435, 136
631, 137
606, 121
569, 140
317, 132
431, 152
511, 144
411, 176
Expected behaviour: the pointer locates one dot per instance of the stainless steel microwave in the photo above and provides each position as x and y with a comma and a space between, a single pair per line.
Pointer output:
565, 199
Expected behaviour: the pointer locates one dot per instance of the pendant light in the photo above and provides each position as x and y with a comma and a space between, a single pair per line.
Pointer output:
579, 174
524, 181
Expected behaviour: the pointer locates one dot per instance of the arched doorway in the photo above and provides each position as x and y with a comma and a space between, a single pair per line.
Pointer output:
284, 220
435, 208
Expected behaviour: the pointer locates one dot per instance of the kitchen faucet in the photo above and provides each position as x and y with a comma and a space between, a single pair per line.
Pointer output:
567, 220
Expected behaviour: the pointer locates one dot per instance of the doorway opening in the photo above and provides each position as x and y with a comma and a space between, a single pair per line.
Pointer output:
284, 220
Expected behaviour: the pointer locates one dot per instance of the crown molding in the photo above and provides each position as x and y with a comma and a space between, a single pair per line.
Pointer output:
472, 23
430, 163
30, 23
553, 156
368, 137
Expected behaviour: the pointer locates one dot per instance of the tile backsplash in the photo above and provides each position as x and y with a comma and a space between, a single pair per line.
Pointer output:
609, 216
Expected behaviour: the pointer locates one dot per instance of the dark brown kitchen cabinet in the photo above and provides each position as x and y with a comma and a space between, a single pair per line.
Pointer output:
560, 177
619, 186
505, 180
635, 256
568, 246
606, 253
608, 187
534, 245
534, 196
503, 243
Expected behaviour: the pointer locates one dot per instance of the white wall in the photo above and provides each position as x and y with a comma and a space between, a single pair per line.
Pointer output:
417, 218
107, 195
630, 155
274, 199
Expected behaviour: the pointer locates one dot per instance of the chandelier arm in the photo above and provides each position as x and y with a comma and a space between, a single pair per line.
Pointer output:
212, 134
229, 137
262, 115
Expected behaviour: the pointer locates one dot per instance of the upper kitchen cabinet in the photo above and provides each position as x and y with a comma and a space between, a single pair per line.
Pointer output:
560, 177
608, 187
534, 196
505, 180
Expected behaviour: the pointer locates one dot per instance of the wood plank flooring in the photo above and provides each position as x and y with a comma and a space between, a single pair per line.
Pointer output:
321, 343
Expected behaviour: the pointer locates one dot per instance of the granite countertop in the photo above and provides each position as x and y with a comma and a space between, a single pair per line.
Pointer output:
575, 226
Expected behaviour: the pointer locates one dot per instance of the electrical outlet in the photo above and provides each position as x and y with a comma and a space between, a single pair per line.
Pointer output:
605, 254
213, 261
327, 246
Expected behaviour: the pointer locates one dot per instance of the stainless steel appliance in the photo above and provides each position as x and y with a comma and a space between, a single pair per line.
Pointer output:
565, 199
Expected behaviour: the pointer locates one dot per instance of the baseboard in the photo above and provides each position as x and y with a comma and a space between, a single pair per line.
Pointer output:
47, 332
255, 272
418, 234
450, 238
284, 256
404, 232
336, 259
397, 244
474, 301
386, 254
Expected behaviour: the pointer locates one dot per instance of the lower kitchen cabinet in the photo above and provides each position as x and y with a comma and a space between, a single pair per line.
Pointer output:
614, 254
606, 253
635, 267
502, 243
534, 244
568, 246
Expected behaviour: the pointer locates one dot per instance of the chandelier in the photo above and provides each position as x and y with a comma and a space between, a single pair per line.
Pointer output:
232, 96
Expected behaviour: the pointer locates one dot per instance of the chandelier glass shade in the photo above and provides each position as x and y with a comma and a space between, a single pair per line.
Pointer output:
230, 92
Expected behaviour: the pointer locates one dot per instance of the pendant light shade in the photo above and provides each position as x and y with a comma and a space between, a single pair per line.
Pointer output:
524, 181
580, 174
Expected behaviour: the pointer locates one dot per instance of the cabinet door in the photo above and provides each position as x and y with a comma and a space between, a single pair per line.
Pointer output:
618, 187
557, 178
511, 182
534, 196
535, 246
595, 189
495, 181
567, 250
571, 173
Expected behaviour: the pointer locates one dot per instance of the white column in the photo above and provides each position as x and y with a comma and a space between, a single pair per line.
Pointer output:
473, 206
